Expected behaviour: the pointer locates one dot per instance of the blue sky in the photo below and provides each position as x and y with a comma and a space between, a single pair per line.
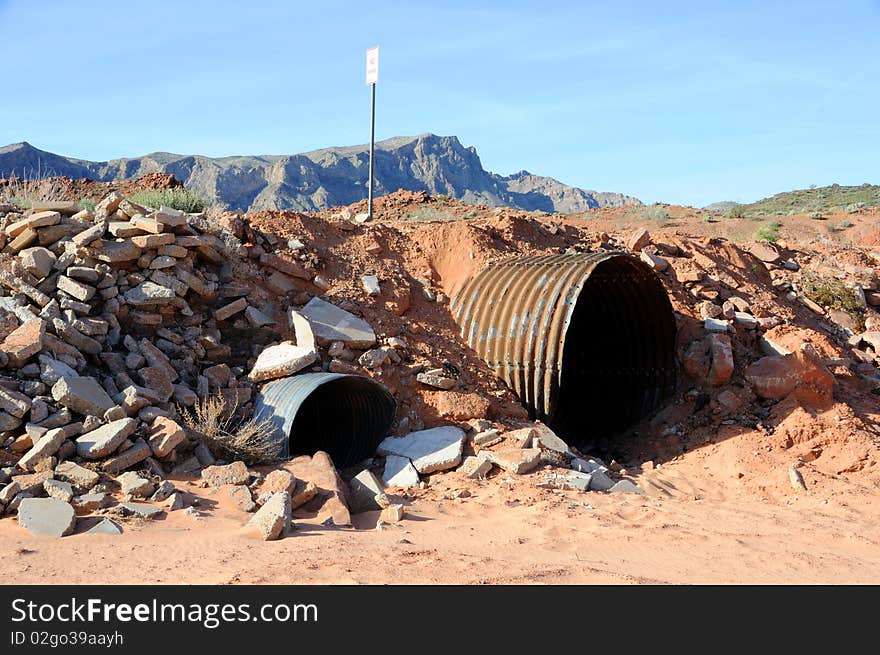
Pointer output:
682, 102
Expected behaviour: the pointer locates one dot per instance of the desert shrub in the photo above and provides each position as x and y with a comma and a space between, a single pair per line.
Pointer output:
768, 232
215, 422
179, 198
831, 293
655, 212
86, 203
736, 211
817, 216
844, 225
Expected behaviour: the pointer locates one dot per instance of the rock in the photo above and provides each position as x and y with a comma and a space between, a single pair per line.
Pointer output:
715, 325
149, 293
24, 342
8, 492
796, 479
76, 289
625, 487
227, 311
127, 458
436, 449
88, 503
83, 395
164, 490
773, 377
458, 406
35, 220
164, 436
273, 518
133, 485
708, 309
363, 490
234, 473
286, 358
522, 437
37, 261
106, 439
257, 318
486, 437
320, 471
242, 497
46, 516
399, 472
437, 381
156, 358
59, 490
14, 403
329, 323
654, 261
371, 285
721, 359
105, 526
392, 514
304, 492
48, 445
279, 480
745, 320
138, 510
52, 370
81, 478
764, 251
638, 239
729, 400
176, 501
599, 481
514, 460
476, 468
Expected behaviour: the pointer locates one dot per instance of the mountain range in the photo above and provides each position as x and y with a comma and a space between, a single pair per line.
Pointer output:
329, 177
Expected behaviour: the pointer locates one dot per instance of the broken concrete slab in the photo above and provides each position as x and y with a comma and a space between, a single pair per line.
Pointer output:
514, 460
133, 485
165, 435
105, 526
127, 458
138, 510
330, 323
88, 503
59, 490
105, 439
24, 342
273, 518
626, 487
46, 516
286, 358
363, 489
234, 473
476, 468
399, 472
435, 449
82, 394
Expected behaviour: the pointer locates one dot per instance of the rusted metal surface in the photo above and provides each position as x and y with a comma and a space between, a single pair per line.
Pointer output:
344, 415
518, 315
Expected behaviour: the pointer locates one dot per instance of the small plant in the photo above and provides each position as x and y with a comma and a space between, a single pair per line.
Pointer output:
227, 436
736, 211
831, 293
179, 198
768, 232
843, 225
86, 203
817, 216
655, 212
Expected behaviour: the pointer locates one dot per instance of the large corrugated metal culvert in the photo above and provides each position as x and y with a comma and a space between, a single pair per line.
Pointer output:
586, 340
345, 415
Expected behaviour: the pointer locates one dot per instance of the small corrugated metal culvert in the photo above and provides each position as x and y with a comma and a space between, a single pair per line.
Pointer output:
345, 415
586, 340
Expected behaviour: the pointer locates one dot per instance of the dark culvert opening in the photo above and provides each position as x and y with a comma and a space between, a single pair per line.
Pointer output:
344, 415
618, 363
585, 340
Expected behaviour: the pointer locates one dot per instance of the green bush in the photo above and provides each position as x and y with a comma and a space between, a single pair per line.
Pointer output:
655, 213
736, 211
179, 198
768, 232
86, 203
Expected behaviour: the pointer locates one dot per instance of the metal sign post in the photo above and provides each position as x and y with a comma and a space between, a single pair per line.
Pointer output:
372, 78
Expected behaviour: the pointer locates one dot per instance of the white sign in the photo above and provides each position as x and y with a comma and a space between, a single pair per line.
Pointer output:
373, 65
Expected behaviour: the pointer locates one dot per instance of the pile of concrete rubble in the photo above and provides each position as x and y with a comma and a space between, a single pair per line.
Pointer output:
116, 318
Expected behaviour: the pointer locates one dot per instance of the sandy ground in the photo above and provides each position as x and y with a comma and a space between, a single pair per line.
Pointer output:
689, 528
